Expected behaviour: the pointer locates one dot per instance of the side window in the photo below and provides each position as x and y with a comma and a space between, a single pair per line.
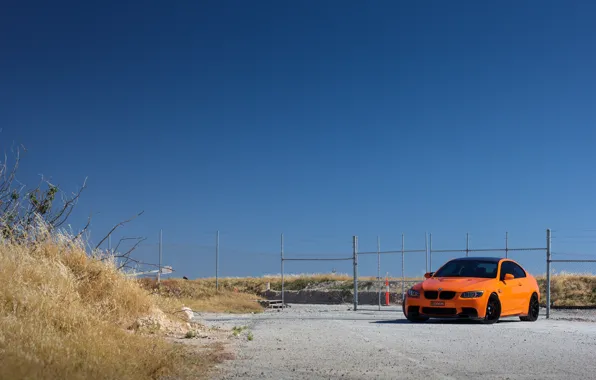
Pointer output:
512, 268
506, 268
518, 272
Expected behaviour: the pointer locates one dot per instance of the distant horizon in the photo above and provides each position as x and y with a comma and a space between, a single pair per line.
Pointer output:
368, 278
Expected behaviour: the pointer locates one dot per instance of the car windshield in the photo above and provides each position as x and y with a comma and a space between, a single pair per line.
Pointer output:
468, 268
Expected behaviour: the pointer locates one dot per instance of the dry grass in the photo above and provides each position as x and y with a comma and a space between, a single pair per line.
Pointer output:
257, 285
64, 315
567, 289
202, 296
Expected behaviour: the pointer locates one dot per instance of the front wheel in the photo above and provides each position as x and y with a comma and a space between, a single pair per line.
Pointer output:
493, 309
533, 309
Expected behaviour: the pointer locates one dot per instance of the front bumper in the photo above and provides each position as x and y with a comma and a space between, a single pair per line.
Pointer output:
470, 308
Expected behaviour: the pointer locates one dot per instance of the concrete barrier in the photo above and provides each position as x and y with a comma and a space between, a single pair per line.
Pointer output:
331, 297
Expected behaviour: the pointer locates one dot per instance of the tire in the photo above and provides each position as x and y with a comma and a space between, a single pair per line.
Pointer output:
493, 310
403, 306
533, 309
412, 318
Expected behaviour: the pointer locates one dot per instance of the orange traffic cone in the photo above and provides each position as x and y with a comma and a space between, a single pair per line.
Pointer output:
386, 291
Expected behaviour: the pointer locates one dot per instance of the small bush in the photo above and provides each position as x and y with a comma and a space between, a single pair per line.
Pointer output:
201, 296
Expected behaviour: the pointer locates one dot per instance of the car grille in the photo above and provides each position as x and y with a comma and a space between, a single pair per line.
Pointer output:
439, 311
444, 295
431, 294
447, 295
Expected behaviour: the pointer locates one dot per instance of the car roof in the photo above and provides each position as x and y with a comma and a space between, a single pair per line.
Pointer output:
488, 259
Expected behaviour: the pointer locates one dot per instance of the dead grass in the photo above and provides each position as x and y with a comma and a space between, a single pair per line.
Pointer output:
202, 296
64, 315
256, 285
567, 289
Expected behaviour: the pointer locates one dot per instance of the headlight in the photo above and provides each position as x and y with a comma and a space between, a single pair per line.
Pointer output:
413, 293
472, 294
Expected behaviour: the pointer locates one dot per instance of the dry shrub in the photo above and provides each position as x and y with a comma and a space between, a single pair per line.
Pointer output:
568, 289
201, 296
63, 315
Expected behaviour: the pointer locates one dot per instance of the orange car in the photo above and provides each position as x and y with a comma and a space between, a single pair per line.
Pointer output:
481, 288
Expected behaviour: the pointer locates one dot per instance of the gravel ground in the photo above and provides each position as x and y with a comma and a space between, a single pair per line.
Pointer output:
334, 342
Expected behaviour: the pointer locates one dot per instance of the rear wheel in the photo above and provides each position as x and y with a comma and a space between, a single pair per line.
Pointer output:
533, 309
493, 309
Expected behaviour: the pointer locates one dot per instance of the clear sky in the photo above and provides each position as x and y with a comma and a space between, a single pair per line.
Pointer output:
318, 119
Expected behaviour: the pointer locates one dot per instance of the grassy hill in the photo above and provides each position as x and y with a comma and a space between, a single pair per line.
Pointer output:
567, 289
66, 315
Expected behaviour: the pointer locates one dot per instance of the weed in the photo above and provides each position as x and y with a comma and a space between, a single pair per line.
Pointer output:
236, 330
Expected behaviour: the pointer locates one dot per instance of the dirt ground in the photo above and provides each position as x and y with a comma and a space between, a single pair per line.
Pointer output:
334, 342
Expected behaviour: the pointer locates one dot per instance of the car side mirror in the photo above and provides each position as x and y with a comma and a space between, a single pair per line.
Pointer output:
508, 276
428, 274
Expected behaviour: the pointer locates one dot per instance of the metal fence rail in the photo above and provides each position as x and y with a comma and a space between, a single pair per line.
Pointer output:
428, 250
402, 251
283, 259
507, 249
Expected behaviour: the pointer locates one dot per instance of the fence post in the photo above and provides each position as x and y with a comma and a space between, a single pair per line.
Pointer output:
467, 244
355, 261
160, 248
379, 268
282, 270
403, 272
217, 261
506, 244
430, 252
548, 258
425, 252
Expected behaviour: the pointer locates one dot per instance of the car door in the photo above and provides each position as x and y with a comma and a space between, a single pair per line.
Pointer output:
521, 288
514, 290
505, 289
509, 290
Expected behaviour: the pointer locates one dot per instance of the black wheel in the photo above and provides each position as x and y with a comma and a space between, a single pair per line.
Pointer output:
493, 309
416, 318
403, 306
533, 309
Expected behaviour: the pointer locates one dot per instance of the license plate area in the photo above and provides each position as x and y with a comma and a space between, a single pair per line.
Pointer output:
437, 303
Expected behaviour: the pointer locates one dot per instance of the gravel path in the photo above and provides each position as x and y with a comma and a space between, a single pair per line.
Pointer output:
334, 342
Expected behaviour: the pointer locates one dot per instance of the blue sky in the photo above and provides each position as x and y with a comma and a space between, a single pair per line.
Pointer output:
321, 120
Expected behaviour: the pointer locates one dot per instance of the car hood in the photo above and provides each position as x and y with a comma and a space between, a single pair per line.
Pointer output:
456, 283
